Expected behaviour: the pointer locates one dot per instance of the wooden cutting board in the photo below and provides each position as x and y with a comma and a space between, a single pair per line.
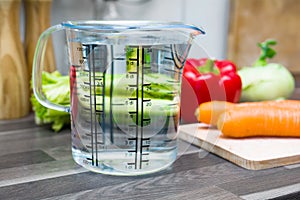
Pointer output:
251, 153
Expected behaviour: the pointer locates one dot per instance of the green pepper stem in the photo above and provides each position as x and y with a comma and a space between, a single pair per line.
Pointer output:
266, 52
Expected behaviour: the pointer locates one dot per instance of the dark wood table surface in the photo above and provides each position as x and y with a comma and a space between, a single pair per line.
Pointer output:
36, 163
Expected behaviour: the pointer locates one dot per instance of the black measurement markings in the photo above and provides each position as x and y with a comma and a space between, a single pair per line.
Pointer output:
132, 142
132, 85
118, 104
168, 58
131, 72
90, 64
131, 113
131, 151
94, 112
133, 99
131, 165
147, 120
119, 58
135, 59
142, 145
147, 101
94, 81
99, 111
88, 134
146, 84
145, 146
137, 106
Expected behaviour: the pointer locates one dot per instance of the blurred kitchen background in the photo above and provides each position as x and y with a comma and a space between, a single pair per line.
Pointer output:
233, 27
211, 15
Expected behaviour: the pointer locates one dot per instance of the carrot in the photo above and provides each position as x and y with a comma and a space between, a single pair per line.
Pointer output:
260, 120
209, 112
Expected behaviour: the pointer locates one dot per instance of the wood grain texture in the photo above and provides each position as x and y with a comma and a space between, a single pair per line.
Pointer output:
36, 163
23, 158
35, 143
251, 153
266, 181
14, 82
111, 187
177, 183
204, 193
38, 19
254, 21
273, 193
36, 170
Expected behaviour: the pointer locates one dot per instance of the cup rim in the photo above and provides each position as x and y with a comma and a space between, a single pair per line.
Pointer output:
122, 25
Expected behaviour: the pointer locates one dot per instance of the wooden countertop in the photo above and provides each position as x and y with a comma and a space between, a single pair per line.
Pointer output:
36, 163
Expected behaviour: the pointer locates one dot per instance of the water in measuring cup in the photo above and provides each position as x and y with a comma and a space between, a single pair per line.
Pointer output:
125, 109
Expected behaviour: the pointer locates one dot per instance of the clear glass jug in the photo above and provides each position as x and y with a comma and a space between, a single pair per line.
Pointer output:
125, 79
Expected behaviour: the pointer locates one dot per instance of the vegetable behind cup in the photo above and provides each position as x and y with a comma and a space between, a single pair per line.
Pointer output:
206, 80
56, 87
266, 81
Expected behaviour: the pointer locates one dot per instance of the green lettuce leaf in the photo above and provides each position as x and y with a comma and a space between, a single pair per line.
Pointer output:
161, 87
56, 88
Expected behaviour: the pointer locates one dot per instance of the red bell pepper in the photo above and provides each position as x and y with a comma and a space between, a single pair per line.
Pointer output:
205, 80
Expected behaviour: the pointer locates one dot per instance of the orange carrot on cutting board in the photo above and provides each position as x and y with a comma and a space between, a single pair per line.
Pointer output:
259, 120
209, 112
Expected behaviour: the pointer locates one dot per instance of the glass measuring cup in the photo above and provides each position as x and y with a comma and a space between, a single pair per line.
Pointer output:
125, 81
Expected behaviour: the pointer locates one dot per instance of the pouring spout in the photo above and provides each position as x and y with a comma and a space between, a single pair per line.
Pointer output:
180, 51
180, 54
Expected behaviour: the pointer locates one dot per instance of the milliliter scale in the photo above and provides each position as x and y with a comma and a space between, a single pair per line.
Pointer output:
125, 89
104, 130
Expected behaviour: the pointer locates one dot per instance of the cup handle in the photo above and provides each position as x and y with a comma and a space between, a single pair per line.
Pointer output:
37, 69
